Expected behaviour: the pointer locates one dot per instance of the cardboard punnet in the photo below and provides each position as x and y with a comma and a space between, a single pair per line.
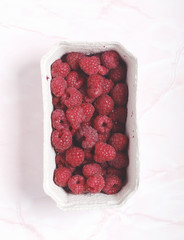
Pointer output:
67, 201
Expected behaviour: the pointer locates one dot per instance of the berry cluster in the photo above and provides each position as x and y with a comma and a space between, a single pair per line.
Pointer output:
89, 95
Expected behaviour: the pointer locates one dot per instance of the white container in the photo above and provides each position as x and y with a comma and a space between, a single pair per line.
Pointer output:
67, 201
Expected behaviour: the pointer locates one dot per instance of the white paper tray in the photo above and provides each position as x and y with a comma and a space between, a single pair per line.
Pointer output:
67, 201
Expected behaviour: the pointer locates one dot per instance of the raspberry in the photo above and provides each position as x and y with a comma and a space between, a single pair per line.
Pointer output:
61, 176
119, 114
77, 184
120, 161
103, 137
110, 59
103, 70
89, 65
74, 156
104, 152
75, 116
95, 184
59, 120
73, 59
94, 85
61, 139
88, 136
88, 154
118, 127
113, 184
118, 74
104, 104
58, 86
55, 101
59, 159
91, 169
119, 141
86, 124
121, 173
120, 94
88, 110
73, 97
60, 69
98, 56
107, 85
75, 80
102, 124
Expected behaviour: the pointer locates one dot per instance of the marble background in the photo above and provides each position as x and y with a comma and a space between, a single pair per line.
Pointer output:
154, 32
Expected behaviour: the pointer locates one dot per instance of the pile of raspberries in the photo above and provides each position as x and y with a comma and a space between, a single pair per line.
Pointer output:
89, 98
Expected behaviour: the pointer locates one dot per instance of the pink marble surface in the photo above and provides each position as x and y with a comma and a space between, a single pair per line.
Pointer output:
154, 32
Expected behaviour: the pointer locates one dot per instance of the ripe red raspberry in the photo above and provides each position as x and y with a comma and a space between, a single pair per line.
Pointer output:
73, 97
61, 139
74, 79
103, 137
88, 136
104, 104
56, 101
104, 152
94, 85
113, 184
75, 156
119, 141
88, 110
86, 124
119, 114
103, 70
98, 56
120, 161
59, 120
58, 86
77, 184
107, 86
118, 74
120, 94
95, 184
90, 65
91, 169
60, 69
110, 59
102, 124
75, 116
88, 155
118, 127
73, 59
60, 161
121, 173
61, 176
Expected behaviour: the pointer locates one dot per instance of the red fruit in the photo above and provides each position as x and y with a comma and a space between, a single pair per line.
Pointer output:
88, 155
120, 94
104, 104
119, 141
75, 156
119, 114
120, 161
74, 79
104, 152
86, 124
118, 74
103, 137
61, 176
94, 85
75, 116
113, 184
73, 59
61, 139
90, 65
121, 173
88, 136
118, 127
107, 86
102, 124
73, 97
59, 120
77, 184
58, 86
60, 69
88, 110
91, 169
110, 59
103, 70
60, 161
95, 184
